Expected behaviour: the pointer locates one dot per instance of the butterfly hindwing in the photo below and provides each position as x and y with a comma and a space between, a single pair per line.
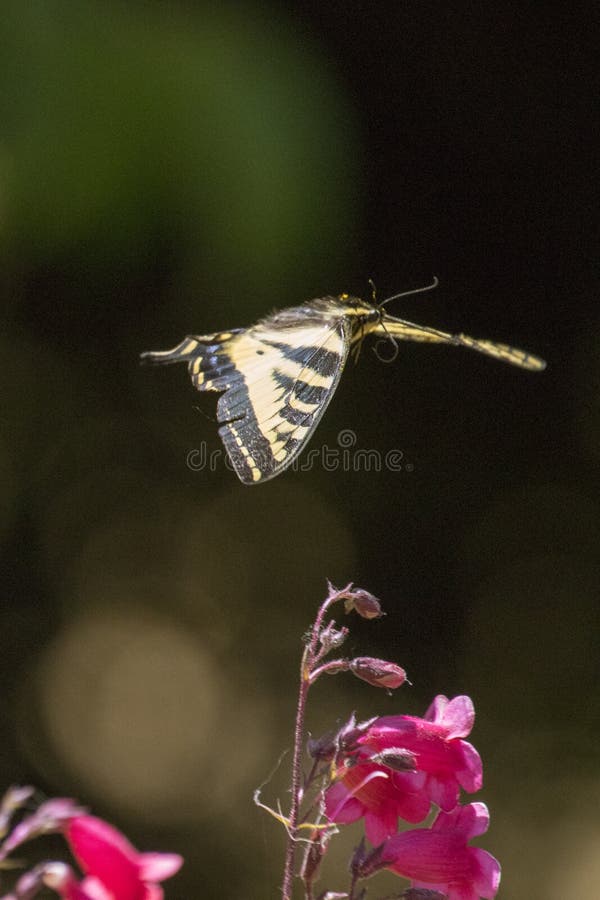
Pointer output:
206, 356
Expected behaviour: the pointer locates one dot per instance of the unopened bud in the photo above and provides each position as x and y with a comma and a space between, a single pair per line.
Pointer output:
331, 637
313, 857
344, 740
378, 672
350, 734
397, 758
51, 816
362, 602
365, 863
323, 748
31, 883
14, 799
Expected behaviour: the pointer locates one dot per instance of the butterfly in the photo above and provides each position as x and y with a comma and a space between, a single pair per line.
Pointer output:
279, 375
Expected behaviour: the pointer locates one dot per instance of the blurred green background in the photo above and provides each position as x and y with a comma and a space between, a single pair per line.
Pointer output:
181, 168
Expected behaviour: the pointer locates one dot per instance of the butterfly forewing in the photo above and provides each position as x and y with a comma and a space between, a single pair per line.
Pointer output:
502, 351
408, 331
287, 380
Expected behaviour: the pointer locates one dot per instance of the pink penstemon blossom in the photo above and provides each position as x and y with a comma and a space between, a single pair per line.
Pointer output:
442, 763
437, 742
440, 857
112, 868
106, 855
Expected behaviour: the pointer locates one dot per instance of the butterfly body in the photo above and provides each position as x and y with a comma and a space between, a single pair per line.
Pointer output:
279, 375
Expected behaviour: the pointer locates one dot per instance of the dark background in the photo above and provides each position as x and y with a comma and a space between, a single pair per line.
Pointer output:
178, 168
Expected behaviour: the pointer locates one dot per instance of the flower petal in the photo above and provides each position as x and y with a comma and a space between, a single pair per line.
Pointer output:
443, 792
153, 892
341, 806
470, 774
92, 889
488, 880
103, 851
413, 808
380, 825
435, 712
458, 717
158, 866
469, 821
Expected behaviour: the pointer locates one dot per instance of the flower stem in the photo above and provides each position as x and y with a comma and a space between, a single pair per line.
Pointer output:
309, 658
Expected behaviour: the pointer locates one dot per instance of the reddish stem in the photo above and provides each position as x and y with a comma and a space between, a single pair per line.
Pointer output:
309, 658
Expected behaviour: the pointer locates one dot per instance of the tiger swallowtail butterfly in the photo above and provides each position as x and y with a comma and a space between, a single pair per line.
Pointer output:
277, 377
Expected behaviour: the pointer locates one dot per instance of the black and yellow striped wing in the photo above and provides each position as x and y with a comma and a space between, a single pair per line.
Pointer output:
277, 380
408, 331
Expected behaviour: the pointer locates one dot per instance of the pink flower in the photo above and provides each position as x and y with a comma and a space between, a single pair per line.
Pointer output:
443, 763
380, 795
115, 870
448, 761
439, 857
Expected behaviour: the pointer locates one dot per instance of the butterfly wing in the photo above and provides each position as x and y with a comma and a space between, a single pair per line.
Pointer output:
285, 379
277, 380
206, 356
408, 331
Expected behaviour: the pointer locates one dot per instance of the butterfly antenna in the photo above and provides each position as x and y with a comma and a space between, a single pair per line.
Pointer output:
373, 291
392, 340
428, 287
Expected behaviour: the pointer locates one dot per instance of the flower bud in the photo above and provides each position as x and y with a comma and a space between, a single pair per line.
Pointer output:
58, 876
14, 799
51, 816
32, 882
312, 858
344, 740
397, 758
351, 732
362, 602
378, 672
365, 863
331, 637
323, 748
